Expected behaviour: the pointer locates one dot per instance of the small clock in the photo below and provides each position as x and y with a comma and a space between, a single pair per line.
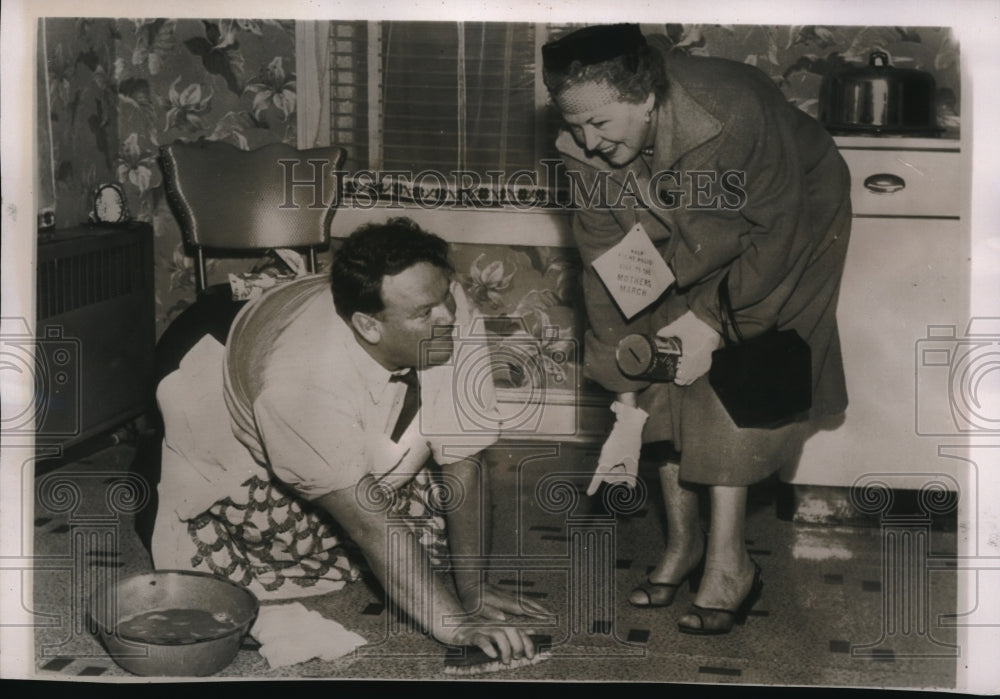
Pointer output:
109, 204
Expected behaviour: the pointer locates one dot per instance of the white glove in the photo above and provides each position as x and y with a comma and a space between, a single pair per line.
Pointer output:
698, 341
619, 459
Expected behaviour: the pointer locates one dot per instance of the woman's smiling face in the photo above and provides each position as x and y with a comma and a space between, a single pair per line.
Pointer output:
613, 129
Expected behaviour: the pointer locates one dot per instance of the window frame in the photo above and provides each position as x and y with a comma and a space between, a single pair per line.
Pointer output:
518, 191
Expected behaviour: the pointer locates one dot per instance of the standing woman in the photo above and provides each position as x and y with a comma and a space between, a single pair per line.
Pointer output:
732, 184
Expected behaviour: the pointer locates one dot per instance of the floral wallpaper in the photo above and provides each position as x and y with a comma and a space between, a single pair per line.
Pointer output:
184, 80
119, 88
798, 56
530, 295
81, 114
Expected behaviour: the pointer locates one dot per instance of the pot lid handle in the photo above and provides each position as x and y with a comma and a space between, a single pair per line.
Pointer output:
876, 56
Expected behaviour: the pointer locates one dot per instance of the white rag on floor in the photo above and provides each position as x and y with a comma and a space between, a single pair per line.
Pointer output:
290, 634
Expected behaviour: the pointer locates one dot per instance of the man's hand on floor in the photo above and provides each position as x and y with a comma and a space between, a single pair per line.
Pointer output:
495, 603
498, 641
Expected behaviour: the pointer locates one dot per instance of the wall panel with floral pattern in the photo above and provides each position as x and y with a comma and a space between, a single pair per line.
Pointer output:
797, 57
120, 88
77, 99
184, 80
531, 296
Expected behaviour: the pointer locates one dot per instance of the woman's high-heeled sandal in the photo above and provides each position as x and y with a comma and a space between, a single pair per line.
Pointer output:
713, 621
663, 594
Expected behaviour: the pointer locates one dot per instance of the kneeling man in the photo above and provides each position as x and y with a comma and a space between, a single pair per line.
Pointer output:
330, 418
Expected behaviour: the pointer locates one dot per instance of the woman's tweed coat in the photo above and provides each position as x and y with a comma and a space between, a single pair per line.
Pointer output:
740, 182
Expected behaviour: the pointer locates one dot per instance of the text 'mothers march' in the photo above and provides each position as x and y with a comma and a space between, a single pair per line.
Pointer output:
634, 272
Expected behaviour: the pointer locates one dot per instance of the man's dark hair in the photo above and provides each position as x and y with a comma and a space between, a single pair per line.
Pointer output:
377, 250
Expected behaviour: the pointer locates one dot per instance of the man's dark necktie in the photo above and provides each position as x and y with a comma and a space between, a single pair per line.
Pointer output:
411, 402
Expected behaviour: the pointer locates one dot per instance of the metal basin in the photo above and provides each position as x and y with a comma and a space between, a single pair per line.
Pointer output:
173, 590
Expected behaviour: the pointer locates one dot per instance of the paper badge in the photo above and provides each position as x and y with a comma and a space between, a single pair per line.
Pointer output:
634, 272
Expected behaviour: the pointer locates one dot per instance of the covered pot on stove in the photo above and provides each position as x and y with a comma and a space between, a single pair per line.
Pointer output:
879, 99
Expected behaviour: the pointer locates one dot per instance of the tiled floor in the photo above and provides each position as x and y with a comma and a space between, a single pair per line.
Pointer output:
829, 615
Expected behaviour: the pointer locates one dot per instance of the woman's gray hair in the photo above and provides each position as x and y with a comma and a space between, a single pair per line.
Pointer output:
635, 74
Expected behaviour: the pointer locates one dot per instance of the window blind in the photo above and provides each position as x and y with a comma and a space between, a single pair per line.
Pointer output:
446, 96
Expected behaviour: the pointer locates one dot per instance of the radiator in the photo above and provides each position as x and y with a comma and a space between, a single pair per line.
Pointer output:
95, 331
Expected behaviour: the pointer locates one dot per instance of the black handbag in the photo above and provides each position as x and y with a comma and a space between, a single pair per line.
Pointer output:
763, 382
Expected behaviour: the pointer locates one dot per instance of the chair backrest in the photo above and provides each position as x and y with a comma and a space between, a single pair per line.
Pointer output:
227, 199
